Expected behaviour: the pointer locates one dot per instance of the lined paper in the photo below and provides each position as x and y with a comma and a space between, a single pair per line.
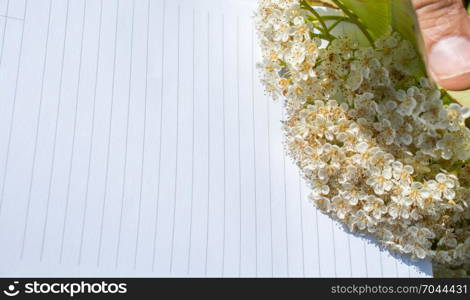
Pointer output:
136, 140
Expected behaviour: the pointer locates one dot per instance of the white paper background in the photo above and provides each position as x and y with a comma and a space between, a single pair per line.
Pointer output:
136, 140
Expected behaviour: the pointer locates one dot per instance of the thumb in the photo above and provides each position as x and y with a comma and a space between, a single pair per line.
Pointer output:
445, 26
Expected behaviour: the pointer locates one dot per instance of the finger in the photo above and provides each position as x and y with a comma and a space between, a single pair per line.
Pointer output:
445, 26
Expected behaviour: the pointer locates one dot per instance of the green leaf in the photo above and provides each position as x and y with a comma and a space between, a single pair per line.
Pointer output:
404, 20
382, 16
374, 14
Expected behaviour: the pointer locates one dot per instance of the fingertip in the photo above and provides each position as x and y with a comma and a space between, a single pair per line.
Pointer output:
458, 83
449, 62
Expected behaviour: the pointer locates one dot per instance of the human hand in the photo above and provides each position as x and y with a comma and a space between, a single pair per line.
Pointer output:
445, 26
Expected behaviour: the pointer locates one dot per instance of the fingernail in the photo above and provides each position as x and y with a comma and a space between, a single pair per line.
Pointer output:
450, 58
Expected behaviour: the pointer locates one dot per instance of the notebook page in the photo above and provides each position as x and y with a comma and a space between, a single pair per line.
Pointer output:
136, 140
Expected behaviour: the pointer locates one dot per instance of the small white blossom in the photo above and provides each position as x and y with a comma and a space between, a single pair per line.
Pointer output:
457, 115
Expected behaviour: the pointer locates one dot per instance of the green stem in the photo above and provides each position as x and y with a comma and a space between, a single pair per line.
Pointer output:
448, 97
338, 20
307, 6
334, 18
325, 31
312, 20
355, 20
322, 36
334, 25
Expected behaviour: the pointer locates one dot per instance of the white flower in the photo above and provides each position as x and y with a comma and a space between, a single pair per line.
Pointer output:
301, 30
364, 107
380, 179
320, 189
388, 110
444, 185
386, 43
434, 114
427, 143
341, 206
281, 32
357, 75
375, 206
377, 146
387, 134
447, 145
404, 134
296, 55
352, 194
417, 194
323, 127
344, 47
408, 103
360, 220
403, 57
399, 210
419, 252
323, 203
448, 240
380, 158
402, 173
457, 115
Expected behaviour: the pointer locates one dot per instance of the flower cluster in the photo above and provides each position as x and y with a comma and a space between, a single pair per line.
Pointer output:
379, 148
